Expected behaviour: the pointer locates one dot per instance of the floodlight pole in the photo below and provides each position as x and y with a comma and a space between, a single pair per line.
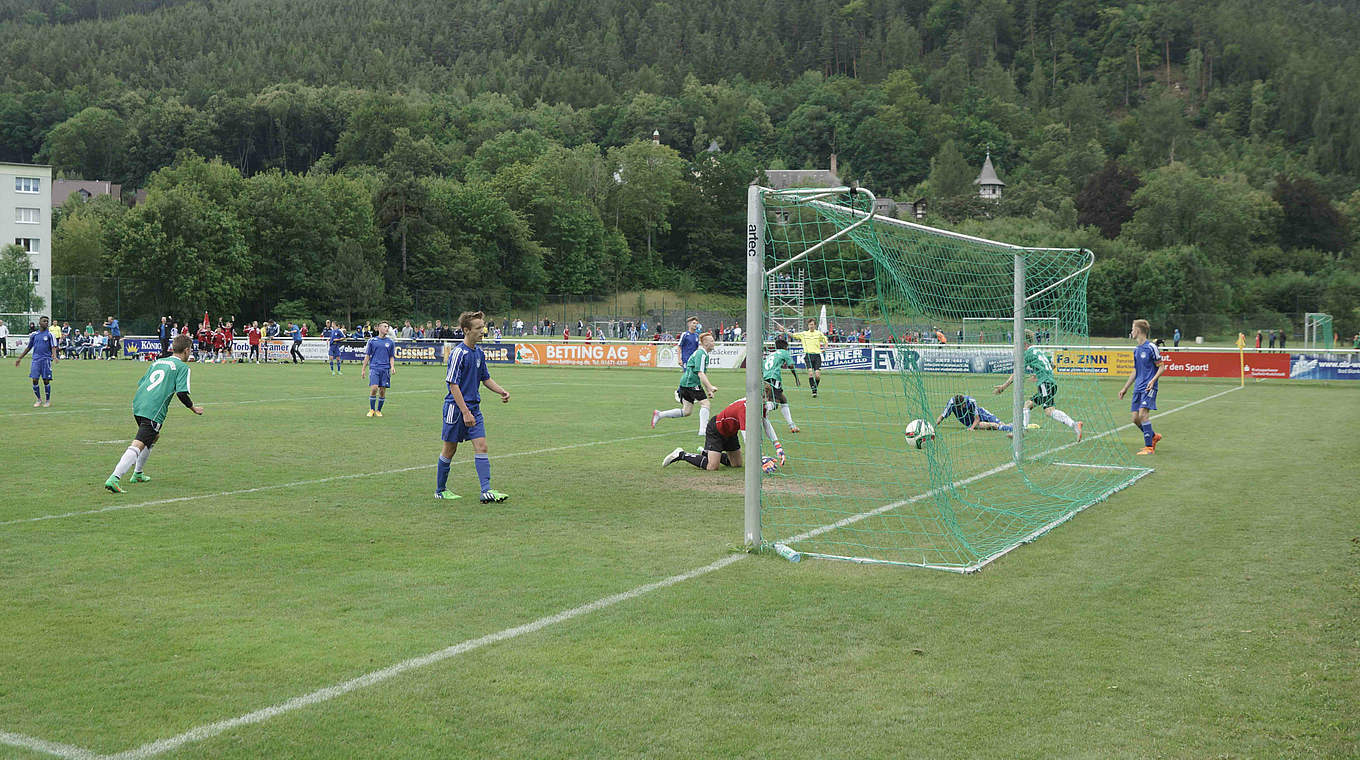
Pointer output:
755, 340
1018, 361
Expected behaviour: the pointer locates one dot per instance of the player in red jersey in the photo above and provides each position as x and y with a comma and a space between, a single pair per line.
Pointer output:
722, 442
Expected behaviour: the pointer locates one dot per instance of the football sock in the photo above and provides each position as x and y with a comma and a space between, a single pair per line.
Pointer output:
699, 459
483, 463
125, 464
381, 399
724, 460
1062, 417
141, 459
1147, 433
441, 475
704, 412
788, 415
373, 403
36, 393
1025, 417
1006, 428
769, 431
673, 413
47, 389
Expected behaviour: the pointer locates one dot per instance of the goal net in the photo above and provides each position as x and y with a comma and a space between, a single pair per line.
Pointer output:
854, 487
1317, 331
998, 329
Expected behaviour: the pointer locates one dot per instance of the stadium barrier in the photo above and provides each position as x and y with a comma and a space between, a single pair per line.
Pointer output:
1115, 361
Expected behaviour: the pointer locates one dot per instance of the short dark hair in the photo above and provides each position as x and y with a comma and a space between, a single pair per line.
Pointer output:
781, 342
180, 344
691, 319
465, 319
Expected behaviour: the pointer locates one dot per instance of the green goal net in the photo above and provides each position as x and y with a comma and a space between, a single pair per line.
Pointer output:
903, 297
1318, 332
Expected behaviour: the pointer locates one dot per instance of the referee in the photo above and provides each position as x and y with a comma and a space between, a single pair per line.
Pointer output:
813, 343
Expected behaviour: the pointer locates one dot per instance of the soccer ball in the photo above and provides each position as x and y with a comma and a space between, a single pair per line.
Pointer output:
918, 432
769, 464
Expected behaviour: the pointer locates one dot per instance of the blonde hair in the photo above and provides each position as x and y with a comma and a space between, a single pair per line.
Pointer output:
465, 319
1142, 326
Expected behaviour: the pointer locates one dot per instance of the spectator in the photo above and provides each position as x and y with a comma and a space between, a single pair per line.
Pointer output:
104, 344
1282, 336
1272, 339
566, 335
580, 327
253, 339
1258, 340
1176, 338
296, 352
115, 335
407, 331
4, 338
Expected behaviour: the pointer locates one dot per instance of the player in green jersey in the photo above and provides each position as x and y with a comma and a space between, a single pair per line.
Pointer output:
772, 372
694, 386
1045, 395
164, 380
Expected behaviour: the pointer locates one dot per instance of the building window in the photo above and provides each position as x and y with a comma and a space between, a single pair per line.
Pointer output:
34, 272
27, 216
30, 245
27, 185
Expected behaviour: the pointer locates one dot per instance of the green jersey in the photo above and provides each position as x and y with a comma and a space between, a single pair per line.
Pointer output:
775, 364
698, 362
163, 379
1037, 362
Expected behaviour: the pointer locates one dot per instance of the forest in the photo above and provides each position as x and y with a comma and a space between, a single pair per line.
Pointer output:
325, 157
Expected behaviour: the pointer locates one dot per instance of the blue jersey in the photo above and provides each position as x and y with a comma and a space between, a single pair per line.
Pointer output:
1146, 357
380, 352
44, 343
688, 342
297, 334
114, 329
333, 336
467, 370
969, 411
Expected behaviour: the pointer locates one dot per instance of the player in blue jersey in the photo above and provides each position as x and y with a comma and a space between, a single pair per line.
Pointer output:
462, 408
379, 362
333, 334
971, 414
43, 344
689, 340
1147, 369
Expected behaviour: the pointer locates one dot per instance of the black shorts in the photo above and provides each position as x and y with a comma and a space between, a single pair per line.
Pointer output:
693, 395
776, 391
1044, 395
814, 361
715, 441
147, 430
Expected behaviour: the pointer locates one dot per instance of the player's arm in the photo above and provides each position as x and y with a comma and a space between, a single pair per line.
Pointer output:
944, 414
1129, 382
1002, 388
1161, 369
368, 354
797, 383
708, 387
27, 348
495, 388
457, 394
188, 402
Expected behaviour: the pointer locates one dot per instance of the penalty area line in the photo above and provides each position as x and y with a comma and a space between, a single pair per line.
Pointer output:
314, 481
55, 749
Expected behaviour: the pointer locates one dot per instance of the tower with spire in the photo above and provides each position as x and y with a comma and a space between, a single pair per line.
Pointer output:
989, 185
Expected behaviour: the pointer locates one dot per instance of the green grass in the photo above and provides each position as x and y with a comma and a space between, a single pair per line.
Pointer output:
1211, 610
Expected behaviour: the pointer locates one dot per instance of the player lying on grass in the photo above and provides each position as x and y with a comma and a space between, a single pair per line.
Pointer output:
165, 379
694, 386
1147, 368
773, 374
971, 414
722, 439
1046, 390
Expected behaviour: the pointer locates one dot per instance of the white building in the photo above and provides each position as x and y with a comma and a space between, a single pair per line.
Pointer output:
26, 220
989, 185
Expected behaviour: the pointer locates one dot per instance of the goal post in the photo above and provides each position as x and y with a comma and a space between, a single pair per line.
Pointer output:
1318, 332
853, 487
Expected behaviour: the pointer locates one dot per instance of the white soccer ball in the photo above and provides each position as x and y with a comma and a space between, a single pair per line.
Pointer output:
918, 432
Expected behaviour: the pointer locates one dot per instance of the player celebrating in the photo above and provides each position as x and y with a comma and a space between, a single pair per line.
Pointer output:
971, 414
813, 343
43, 344
722, 444
164, 379
1037, 364
1147, 368
694, 386
773, 374
378, 361
462, 408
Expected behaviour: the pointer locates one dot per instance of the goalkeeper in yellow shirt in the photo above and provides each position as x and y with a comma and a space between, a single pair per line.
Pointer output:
813, 343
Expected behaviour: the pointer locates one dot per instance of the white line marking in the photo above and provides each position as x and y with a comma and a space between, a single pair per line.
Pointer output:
174, 500
47, 748
1098, 466
105, 443
378, 676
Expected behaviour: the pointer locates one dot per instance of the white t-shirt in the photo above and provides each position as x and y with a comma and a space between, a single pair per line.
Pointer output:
4, 331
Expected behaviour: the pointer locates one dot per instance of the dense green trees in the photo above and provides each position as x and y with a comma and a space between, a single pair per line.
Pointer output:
507, 145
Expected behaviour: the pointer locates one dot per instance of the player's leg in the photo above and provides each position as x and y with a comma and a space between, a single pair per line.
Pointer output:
372, 396
777, 394
382, 392
146, 431
47, 389
686, 407
37, 393
712, 460
148, 439
482, 461
453, 432
705, 410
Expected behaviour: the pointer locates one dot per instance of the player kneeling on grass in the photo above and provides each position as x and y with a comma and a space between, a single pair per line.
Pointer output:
722, 442
971, 414
462, 408
1046, 390
164, 379
1147, 368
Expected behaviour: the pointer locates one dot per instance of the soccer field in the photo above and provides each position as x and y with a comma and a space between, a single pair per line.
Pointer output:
286, 586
